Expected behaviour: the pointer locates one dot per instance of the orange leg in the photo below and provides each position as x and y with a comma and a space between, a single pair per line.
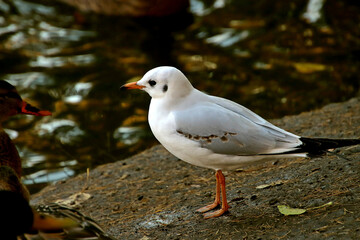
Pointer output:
217, 197
220, 186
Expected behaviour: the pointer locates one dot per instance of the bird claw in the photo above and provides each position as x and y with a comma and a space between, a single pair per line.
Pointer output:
216, 213
208, 207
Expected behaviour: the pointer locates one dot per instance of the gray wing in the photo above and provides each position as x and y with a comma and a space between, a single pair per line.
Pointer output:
225, 127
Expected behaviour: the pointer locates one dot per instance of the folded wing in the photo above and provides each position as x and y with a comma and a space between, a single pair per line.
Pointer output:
225, 127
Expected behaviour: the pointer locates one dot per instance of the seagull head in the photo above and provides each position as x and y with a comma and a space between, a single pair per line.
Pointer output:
163, 82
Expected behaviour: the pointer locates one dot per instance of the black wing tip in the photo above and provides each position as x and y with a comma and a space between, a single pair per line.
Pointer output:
316, 147
319, 146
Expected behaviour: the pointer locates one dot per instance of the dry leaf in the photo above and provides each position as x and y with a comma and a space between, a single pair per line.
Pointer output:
276, 183
286, 210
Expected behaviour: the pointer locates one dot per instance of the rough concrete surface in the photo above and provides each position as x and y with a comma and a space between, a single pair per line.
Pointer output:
153, 195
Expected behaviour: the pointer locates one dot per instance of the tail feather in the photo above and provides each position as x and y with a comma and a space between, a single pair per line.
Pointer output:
319, 146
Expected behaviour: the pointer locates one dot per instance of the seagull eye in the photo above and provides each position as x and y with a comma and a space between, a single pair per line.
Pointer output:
165, 88
152, 83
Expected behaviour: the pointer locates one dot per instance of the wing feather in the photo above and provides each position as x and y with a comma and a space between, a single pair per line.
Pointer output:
225, 127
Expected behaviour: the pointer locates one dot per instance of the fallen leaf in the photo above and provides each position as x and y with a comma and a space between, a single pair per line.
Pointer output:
263, 186
276, 183
74, 200
286, 210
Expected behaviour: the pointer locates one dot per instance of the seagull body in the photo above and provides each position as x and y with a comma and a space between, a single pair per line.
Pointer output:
216, 133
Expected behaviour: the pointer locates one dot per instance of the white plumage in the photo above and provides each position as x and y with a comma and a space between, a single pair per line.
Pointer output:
214, 132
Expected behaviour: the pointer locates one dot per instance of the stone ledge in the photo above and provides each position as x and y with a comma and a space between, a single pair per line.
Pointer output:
153, 195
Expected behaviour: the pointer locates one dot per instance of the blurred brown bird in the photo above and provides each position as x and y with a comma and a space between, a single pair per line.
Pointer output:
18, 220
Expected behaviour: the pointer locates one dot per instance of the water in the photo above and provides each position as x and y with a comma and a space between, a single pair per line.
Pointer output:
275, 58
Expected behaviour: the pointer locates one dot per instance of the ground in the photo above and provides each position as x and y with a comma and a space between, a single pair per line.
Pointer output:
153, 195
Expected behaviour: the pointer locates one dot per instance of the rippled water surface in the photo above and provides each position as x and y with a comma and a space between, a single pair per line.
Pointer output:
276, 58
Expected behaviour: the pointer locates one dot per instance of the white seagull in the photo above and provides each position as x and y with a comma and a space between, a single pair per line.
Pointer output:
216, 133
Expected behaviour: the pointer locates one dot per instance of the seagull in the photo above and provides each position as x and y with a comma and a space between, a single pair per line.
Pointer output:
216, 133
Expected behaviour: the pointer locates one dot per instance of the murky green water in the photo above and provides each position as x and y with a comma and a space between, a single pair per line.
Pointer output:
276, 58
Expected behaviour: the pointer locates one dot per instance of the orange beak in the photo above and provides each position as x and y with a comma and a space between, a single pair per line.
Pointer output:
31, 110
132, 85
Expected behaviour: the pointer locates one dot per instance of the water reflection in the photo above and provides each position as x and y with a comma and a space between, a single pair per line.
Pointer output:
227, 37
51, 62
313, 11
271, 60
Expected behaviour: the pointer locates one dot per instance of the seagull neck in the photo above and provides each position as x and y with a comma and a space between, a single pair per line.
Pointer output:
177, 93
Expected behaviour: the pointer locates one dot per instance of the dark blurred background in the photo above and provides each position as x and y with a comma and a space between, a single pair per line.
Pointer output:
71, 56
